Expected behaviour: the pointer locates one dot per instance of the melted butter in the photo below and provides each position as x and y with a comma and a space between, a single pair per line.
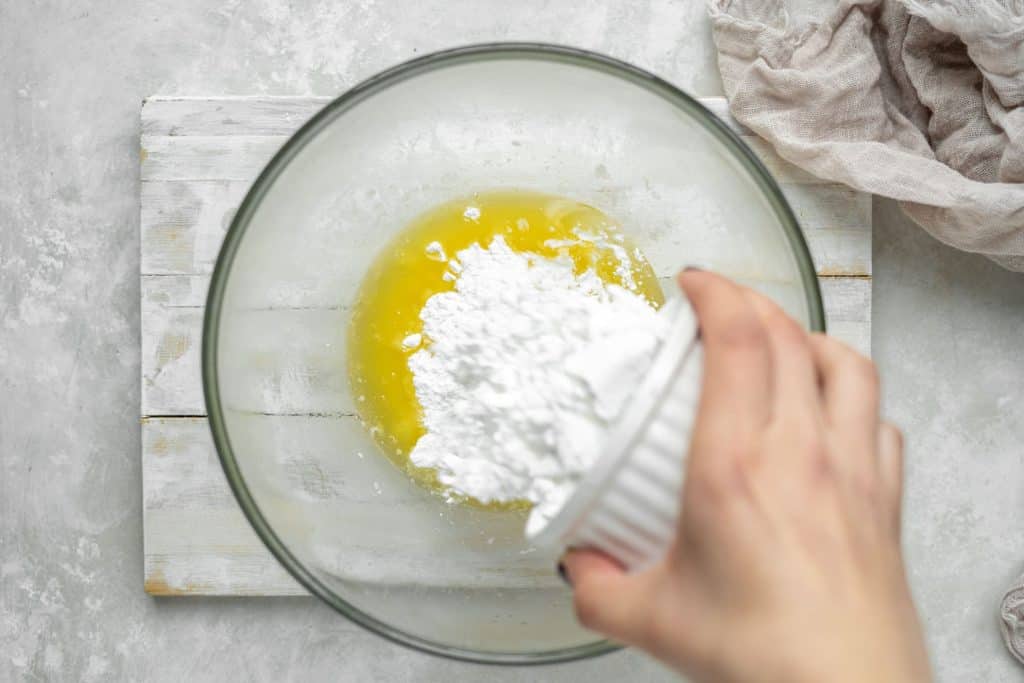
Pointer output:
413, 267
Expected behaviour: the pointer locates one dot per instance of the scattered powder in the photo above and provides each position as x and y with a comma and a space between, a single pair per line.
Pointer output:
524, 366
436, 252
613, 243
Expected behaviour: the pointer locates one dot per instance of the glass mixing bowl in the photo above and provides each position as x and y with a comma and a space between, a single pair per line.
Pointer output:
349, 525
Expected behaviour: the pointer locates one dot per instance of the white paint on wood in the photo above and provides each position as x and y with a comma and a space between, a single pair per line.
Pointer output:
719, 106
197, 166
173, 314
247, 115
199, 156
783, 171
207, 157
183, 223
292, 362
848, 310
847, 299
277, 115
199, 543
171, 345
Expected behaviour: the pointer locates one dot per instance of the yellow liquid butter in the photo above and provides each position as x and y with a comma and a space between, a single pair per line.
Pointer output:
412, 267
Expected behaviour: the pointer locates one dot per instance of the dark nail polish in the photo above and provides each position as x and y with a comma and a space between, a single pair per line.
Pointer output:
693, 268
563, 574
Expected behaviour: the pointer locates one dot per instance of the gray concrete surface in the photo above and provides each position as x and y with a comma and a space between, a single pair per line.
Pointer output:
948, 331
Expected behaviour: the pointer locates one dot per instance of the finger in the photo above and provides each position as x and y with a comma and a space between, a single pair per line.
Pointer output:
890, 461
796, 396
736, 394
607, 599
849, 385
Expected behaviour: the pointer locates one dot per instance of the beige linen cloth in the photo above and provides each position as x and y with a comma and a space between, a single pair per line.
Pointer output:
915, 100
1012, 615
921, 101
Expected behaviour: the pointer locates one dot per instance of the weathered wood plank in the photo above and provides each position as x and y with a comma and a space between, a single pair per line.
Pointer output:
836, 221
848, 299
364, 498
719, 106
207, 157
183, 224
856, 334
195, 171
219, 555
848, 310
306, 374
291, 362
242, 157
247, 115
172, 328
269, 115
783, 171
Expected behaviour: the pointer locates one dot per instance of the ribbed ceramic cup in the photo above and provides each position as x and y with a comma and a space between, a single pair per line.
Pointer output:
627, 505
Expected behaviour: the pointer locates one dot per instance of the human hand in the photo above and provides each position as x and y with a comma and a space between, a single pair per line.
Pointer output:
786, 564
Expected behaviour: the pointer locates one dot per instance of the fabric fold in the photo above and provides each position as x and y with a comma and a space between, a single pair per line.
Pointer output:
920, 102
1011, 623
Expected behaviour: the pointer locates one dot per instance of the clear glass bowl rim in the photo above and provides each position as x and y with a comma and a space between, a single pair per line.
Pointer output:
309, 131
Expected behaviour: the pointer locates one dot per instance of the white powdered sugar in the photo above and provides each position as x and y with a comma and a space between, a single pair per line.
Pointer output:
522, 369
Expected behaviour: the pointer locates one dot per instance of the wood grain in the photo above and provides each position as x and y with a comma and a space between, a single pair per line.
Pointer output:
197, 541
198, 157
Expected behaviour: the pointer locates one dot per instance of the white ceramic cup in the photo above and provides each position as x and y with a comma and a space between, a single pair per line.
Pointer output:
627, 505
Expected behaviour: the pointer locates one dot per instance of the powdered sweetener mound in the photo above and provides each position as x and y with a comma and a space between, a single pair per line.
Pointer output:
524, 367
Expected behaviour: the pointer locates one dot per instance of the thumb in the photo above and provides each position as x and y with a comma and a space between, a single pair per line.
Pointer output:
607, 599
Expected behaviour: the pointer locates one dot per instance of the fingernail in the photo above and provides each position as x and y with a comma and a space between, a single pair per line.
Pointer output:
688, 269
564, 574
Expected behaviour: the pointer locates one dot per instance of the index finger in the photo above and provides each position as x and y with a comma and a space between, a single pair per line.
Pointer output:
737, 385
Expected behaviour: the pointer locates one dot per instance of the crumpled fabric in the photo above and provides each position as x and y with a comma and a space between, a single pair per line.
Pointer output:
916, 100
1011, 615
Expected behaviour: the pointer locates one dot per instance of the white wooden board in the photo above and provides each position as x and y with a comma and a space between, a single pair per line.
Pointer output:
198, 156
